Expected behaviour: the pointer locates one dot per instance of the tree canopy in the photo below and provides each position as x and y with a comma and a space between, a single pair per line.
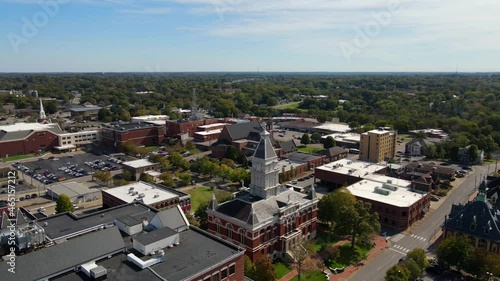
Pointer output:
64, 204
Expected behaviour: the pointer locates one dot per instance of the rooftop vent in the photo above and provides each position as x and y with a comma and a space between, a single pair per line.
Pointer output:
142, 195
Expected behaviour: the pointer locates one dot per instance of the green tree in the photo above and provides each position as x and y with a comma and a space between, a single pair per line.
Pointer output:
473, 152
167, 179
103, 176
178, 161
263, 269
397, 273
315, 138
329, 142
129, 147
330, 205
249, 268
201, 215
455, 251
50, 107
64, 204
146, 178
127, 175
189, 145
185, 178
305, 139
483, 262
357, 221
419, 256
232, 153
240, 174
412, 267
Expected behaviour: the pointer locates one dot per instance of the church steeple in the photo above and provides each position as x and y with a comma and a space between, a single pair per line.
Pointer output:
42, 113
265, 175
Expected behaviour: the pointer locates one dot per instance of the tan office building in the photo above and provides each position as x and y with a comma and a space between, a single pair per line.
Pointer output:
378, 145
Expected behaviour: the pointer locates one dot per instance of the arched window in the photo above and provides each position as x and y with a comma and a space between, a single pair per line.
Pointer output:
229, 231
217, 225
242, 236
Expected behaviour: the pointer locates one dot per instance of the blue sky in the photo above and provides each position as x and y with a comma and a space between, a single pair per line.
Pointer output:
244, 35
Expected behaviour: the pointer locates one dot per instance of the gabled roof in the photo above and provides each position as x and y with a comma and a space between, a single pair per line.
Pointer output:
243, 130
422, 142
172, 218
477, 218
288, 146
336, 150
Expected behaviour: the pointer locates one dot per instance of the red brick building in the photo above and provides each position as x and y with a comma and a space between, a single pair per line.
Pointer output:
28, 138
177, 128
146, 134
269, 219
397, 205
210, 132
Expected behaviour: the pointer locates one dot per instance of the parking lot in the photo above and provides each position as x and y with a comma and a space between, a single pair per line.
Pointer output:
55, 169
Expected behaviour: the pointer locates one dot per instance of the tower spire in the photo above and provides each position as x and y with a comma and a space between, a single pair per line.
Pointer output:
42, 113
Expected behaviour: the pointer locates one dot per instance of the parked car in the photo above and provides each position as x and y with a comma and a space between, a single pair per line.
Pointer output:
294, 182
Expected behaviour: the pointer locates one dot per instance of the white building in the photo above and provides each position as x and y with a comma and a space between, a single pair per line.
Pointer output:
68, 141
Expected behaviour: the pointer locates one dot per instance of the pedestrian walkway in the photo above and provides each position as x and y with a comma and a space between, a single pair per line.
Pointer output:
380, 246
418, 237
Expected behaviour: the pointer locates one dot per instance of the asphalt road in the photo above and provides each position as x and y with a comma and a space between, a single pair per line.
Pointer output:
422, 232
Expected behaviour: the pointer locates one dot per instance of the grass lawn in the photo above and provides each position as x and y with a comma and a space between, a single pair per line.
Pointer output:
194, 151
323, 239
281, 270
19, 157
310, 276
201, 195
349, 256
308, 149
287, 105
151, 148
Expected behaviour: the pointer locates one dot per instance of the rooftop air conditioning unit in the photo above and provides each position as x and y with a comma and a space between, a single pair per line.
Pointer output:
142, 195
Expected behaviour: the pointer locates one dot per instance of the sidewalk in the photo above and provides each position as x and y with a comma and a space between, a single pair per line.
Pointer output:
290, 275
380, 246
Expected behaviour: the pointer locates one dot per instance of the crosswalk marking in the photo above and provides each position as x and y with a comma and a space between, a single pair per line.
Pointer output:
418, 237
400, 249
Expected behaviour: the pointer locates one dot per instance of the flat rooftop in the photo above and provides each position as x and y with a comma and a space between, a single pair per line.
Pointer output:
352, 167
334, 127
152, 194
28, 127
379, 132
130, 126
196, 252
141, 163
401, 197
72, 189
212, 125
382, 179
66, 224
211, 132
287, 164
349, 137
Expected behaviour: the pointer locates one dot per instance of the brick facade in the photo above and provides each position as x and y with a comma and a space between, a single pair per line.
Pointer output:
400, 217
146, 136
273, 239
36, 141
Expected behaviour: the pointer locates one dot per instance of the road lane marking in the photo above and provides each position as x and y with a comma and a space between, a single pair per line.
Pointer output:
402, 253
379, 268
